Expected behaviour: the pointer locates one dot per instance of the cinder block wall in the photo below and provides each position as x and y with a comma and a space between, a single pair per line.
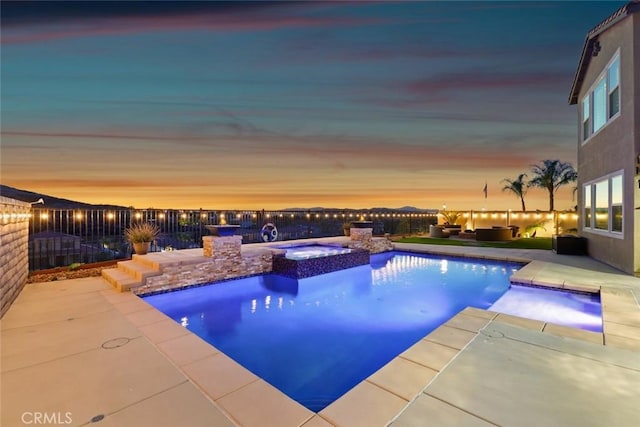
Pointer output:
14, 249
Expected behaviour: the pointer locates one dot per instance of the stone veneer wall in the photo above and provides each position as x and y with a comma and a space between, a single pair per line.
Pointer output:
362, 238
14, 249
227, 262
227, 247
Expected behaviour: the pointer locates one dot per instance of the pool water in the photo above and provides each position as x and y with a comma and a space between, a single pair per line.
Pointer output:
314, 251
578, 310
316, 338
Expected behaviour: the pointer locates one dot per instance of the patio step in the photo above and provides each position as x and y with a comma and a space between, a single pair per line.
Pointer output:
160, 260
120, 279
138, 270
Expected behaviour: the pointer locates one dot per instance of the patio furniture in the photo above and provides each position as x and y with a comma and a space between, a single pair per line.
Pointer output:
438, 231
467, 234
453, 229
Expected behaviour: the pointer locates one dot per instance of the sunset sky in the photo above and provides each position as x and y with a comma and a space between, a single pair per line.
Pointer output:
275, 105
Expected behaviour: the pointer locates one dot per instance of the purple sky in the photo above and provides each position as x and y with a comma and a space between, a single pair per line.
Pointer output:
274, 105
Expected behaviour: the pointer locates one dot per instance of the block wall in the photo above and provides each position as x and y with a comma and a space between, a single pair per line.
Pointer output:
14, 249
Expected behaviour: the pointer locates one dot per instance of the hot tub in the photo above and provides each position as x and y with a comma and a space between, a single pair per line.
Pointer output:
299, 262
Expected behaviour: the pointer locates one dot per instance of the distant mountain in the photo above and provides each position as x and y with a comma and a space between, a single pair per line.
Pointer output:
407, 209
314, 209
412, 209
50, 201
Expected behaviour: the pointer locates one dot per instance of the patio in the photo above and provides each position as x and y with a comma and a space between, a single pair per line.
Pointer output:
79, 349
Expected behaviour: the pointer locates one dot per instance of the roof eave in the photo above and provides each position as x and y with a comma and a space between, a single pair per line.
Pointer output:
581, 70
592, 36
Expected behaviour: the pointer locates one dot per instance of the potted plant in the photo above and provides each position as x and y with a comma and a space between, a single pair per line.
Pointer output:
140, 235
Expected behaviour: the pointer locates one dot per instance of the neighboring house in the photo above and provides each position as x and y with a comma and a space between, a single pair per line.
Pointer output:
51, 249
606, 89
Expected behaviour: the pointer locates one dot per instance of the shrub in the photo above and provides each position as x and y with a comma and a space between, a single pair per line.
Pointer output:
75, 266
142, 232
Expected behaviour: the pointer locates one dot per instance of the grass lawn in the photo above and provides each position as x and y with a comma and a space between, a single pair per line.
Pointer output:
524, 243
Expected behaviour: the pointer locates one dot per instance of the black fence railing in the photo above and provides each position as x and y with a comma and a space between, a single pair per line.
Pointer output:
61, 237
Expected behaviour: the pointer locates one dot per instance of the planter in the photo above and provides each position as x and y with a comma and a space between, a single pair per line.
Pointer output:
222, 230
569, 244
142, 248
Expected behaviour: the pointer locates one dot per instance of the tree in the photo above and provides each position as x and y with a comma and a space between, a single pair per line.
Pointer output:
451, 217
517, 186
551, 175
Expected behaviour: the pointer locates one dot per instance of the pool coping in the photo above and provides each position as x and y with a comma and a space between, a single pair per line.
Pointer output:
388, 392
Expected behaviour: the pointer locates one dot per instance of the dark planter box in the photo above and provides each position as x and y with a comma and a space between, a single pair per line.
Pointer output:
222, 230
569, 245
362, 224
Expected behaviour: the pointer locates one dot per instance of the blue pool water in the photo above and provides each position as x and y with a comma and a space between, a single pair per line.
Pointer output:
573, 309
313, 251
316, 338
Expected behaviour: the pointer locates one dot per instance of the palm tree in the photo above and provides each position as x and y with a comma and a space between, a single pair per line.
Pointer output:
517, 186
551, 175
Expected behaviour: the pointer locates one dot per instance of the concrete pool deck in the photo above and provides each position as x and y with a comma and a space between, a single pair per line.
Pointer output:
77, 349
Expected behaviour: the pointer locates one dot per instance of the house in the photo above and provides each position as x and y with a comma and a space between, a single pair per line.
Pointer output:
606, 89
53, 249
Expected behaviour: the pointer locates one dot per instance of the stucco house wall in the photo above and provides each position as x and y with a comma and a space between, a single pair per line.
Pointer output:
615, 146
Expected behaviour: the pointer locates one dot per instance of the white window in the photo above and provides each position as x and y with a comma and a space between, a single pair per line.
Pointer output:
601, 190
614, 87
587, 206
603, 203
616, 203
602, 103
586, 117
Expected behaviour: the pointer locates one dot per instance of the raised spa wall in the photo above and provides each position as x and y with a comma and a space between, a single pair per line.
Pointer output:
224, 260
303, 268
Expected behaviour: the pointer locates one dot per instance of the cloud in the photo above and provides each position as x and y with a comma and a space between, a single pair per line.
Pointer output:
483, 81
206, 19
67, 135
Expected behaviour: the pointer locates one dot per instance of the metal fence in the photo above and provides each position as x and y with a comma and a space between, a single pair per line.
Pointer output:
61, 237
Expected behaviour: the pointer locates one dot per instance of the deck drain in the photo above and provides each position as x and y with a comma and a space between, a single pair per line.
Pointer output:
492, 334
97, 418
115, 343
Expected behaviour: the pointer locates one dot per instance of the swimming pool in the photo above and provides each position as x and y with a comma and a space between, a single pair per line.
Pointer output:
316, 338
